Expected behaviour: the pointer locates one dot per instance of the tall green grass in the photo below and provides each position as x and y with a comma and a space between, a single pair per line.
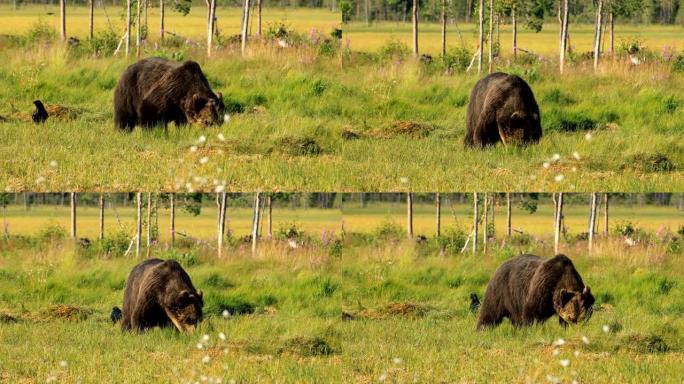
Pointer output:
633, 121
286, 322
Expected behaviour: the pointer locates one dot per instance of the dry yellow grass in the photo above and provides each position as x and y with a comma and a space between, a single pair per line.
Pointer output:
358, 35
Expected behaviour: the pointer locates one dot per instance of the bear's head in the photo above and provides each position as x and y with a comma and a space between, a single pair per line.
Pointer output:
574, 306
206, 110
520, 128
184, 308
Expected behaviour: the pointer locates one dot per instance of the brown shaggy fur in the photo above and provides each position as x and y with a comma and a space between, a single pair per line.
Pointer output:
160, 293
502, 109
157, 91
528, 289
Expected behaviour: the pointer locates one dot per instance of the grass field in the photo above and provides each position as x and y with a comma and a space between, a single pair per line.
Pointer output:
348, 122
406, 316
353, 216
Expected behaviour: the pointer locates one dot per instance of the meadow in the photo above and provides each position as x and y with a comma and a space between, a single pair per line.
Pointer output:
364, 307
321, 117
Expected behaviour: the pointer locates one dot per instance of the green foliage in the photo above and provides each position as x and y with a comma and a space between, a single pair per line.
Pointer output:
394, 49
52, 233
677, 65
185, 258
41, 33
457, 59
182, 6
451, 241
347, 9
389, 231
192, 203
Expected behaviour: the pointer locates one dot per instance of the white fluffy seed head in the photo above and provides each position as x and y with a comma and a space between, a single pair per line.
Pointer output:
564, 362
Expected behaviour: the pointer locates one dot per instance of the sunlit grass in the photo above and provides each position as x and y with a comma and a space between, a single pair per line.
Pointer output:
300, 296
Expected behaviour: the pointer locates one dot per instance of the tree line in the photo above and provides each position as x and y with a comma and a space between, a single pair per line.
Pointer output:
640, 11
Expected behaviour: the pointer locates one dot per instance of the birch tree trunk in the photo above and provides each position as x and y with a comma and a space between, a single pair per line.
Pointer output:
259, 17
161, 21
557, 225
149, 224
485, 226
475, 222
438, 204
138, 227
444, 24
91, 10
210, 27
514, 22
128, 27
509, 227
605, 214
62, 18
599, 30
611, 40
222, 222
415, 28
409, 215
102, 207
491, 51
172, 221
255, 222
564, 35
72, 203
480, 49
138, 39
592, 220
245, 27
270, 216
147, 5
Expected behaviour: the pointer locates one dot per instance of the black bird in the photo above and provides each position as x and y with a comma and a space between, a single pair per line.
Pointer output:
474, 303
116, 315
40, 114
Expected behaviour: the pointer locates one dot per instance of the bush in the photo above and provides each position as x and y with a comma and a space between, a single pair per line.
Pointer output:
186, 259
41, 33
394, 50
52, 233
451, 241
678, 64
289, 232
115, 245
457, 60
103, 43
388, 231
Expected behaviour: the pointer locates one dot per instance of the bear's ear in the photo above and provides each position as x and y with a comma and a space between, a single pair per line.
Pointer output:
219, 95
199, 293
586, 291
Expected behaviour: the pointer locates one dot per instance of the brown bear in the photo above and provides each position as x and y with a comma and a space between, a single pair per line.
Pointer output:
529, 289
502, 109
160, 293
156, 91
